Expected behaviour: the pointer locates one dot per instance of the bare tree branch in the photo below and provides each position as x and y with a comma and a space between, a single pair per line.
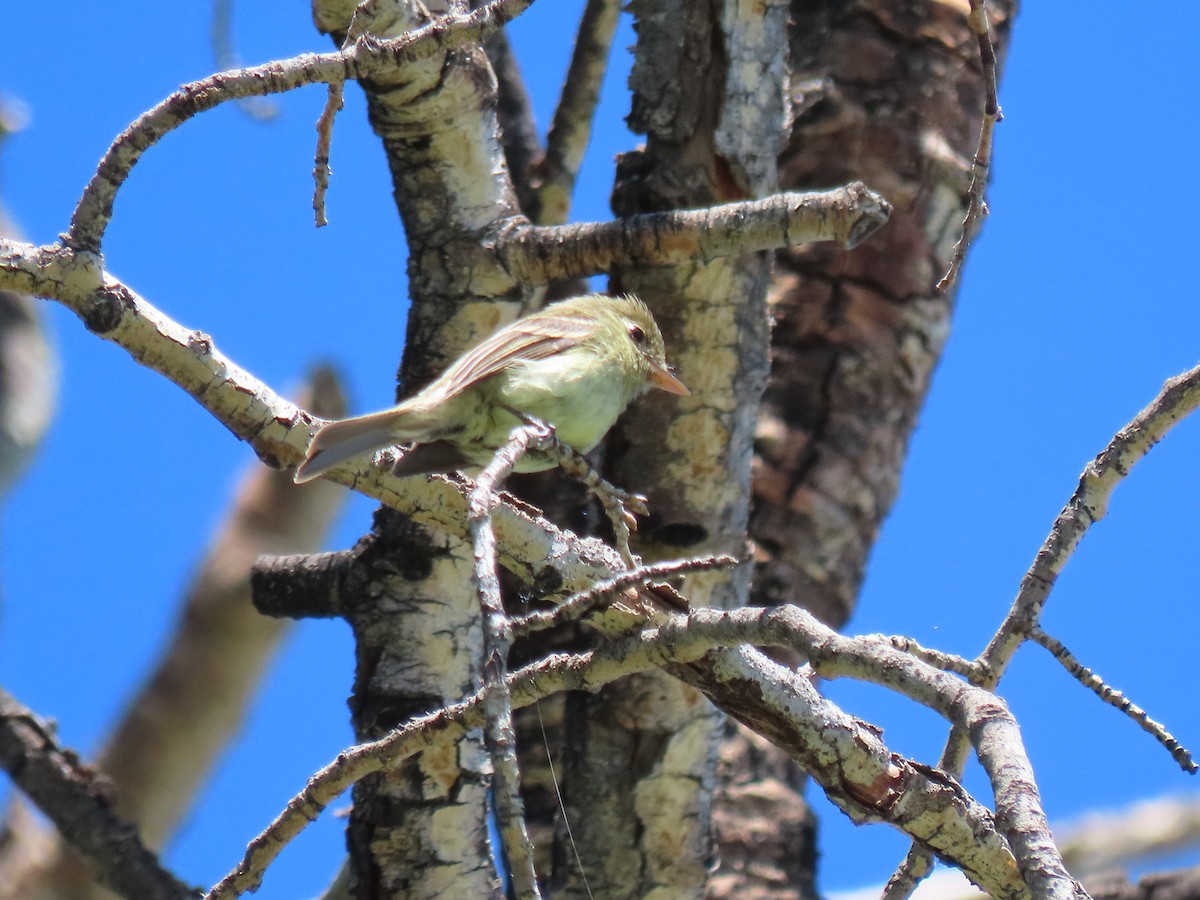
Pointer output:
497, 642
584, 602
554, 174
908, 795
362, 60
321, 171
1114, 698
981, 165
303, 585
1179, 397
77, 801
536, 254
947, 661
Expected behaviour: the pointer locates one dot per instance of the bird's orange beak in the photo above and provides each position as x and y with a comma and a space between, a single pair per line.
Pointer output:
661, 378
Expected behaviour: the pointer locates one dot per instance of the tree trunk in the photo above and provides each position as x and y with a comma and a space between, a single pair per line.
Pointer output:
891, 94
421, 831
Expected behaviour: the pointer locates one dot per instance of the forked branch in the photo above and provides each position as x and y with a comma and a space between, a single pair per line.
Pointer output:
1179, 397
364, 58
963, 831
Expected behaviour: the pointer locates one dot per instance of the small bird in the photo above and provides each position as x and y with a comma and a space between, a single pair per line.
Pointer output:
574, 365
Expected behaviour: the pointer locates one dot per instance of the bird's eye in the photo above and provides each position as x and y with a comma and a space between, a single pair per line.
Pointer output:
637, 335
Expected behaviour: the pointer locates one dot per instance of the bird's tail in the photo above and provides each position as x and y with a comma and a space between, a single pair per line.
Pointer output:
336, 442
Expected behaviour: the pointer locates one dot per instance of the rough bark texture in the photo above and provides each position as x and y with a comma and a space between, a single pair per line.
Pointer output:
767, 834
421, 831
881, 92
889, 93
640, 758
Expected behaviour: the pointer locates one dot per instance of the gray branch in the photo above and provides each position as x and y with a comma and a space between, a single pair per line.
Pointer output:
365, 58
76, 801
860, 774
535, 254
764, 695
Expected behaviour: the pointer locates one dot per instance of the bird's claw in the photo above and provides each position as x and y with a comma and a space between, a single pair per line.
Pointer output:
637, 503
543, 431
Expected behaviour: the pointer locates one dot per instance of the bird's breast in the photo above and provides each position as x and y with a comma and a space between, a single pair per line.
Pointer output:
578, 393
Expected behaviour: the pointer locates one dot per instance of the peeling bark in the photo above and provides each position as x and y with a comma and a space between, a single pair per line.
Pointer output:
642, 753
889, 94
421, 831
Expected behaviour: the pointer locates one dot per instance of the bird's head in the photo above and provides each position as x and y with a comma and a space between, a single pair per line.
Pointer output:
643, 341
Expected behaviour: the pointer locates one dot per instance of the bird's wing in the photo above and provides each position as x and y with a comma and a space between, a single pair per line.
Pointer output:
533, 338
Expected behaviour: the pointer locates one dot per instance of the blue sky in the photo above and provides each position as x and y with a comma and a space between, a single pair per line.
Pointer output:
1076, 304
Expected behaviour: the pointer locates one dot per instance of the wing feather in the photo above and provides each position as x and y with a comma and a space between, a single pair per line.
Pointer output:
532, 338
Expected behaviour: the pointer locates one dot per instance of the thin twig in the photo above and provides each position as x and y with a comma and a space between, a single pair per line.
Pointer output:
918, 863
976, 204
578, 605
321, 171
73, 797
916, 866
947, 662
874, 794
1113, 697
619, 504
368, 57
361, 21
571, 129
1179, 397
497, 641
